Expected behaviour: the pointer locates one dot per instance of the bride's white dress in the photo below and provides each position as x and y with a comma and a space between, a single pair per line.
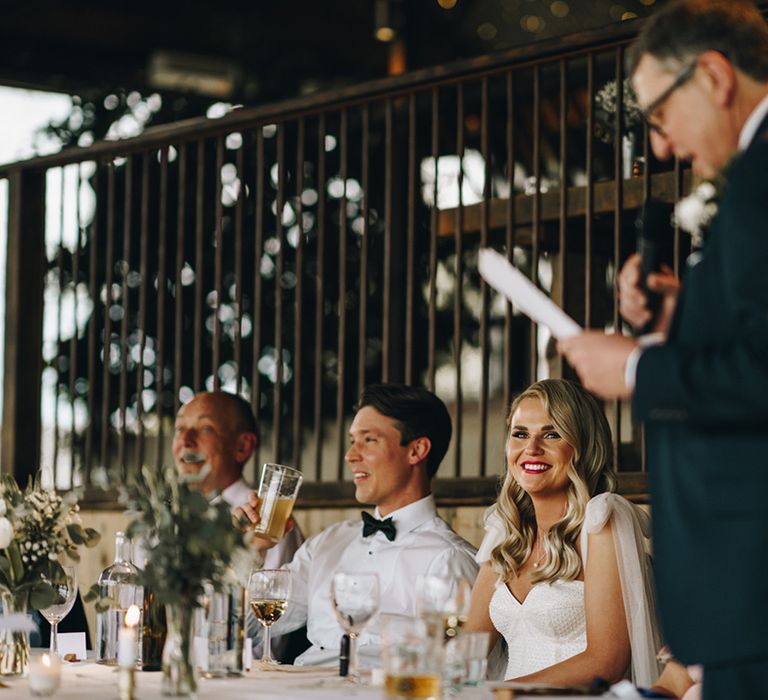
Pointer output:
549, 626
546, 628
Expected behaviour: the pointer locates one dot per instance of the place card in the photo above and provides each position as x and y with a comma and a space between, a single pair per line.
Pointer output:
200, 651
72, 643
247, 654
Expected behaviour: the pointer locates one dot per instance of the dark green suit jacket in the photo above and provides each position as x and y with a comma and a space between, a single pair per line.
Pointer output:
704, 398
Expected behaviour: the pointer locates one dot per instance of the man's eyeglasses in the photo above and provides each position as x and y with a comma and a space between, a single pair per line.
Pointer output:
683, 77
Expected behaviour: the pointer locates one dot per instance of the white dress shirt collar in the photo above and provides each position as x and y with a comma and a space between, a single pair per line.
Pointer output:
414, 514
237, 493
752, 124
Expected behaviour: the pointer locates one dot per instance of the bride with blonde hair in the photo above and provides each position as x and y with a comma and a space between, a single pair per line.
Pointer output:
565, 578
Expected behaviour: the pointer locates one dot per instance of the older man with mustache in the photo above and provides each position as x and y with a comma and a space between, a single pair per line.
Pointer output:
214, 437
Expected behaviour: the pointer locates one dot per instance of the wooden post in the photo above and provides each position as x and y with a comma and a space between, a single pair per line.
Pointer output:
23, 362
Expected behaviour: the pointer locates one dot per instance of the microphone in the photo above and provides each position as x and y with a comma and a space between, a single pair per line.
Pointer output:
653, 225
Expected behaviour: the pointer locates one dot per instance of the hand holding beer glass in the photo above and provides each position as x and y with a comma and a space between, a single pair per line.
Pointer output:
277, 493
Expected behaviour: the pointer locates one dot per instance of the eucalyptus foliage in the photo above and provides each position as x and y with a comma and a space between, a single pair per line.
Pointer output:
189, 540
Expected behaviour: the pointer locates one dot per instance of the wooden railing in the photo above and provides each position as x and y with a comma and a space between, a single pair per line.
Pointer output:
298, 251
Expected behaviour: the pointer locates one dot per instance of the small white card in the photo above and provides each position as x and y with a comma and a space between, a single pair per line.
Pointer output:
72, 643
247, 654
200, 651
525, 295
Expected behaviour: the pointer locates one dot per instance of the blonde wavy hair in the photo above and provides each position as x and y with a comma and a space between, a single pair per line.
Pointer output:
581, 422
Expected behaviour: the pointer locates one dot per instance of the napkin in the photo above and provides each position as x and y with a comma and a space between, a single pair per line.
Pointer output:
288, 668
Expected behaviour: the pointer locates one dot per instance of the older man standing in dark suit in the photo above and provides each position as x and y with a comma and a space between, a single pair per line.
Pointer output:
700, 69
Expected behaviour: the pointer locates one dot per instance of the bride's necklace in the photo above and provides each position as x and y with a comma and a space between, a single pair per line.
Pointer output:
541, 553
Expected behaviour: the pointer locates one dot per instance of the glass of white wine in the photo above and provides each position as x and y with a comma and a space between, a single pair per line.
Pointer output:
268, 593
65, 592
355, 598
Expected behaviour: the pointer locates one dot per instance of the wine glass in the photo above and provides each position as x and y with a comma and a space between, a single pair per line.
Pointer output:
268, 593
65, 592
443, 603
355, 599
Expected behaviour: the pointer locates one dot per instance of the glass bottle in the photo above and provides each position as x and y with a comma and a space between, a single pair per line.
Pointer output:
118, 587
153, 633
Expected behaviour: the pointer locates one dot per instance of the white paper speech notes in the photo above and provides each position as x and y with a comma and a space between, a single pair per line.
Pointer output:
526, 296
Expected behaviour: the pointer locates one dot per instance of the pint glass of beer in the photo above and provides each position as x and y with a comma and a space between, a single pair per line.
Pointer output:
278, 489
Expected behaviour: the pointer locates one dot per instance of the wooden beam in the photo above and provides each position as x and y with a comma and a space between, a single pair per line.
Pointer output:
662, 187
23, 362
480, 491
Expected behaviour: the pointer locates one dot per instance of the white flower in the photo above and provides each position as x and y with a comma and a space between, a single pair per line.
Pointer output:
706, 191
696, 211
6, 532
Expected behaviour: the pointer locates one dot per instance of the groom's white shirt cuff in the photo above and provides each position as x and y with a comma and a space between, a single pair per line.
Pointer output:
630, 368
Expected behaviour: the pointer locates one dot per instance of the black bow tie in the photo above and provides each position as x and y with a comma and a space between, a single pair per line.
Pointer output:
371, 525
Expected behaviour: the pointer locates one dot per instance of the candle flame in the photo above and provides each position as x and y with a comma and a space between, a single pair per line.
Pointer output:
46, 660
132, 616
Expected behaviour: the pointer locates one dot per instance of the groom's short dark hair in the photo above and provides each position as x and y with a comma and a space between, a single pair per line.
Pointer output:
683, 29
417, 413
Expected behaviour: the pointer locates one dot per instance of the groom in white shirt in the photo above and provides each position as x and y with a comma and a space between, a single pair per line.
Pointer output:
397, 440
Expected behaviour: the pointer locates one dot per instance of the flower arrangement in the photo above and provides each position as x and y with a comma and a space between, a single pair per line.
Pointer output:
38, 528
189, 541
607, 107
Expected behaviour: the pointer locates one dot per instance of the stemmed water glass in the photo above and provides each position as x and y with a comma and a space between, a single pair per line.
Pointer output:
443, 603
355, 599
65, 592
268, 593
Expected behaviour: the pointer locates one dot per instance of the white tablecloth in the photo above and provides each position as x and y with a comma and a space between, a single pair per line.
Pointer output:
88, 680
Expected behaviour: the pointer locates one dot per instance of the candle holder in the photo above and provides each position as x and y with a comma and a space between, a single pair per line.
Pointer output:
44, 675
126, 682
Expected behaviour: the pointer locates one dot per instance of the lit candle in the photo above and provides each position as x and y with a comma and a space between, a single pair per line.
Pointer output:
44, 675
126, 638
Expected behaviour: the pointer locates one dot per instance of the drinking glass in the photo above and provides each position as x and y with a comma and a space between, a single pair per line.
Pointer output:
465, 661
268, 593
412, 659
278, 489
355, 599
443, 602
65, 599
